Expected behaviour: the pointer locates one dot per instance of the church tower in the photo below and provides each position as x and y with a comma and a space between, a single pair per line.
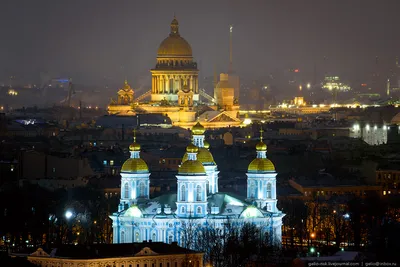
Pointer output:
135, 182
192, 181
261, 180
205, 157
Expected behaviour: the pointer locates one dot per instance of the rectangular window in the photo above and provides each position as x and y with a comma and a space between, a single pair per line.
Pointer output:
54, 169
111, 163
12, 168
105, 162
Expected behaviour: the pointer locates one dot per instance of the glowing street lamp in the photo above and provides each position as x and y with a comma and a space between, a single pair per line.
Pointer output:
68, 214
308, 85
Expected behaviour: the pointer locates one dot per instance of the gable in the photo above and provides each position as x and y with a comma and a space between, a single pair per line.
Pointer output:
222, 118
40, 253
146, 251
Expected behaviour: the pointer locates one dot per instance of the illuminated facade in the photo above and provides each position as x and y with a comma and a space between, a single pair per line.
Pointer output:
123, 105
197, 199
175, 68
174, 88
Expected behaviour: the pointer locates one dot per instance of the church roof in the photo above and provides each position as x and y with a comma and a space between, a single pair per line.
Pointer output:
229, 205
115, 250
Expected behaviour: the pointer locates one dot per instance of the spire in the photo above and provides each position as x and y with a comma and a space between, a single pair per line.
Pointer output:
134, 135
230, 49
174, 26
261, 134
134, 147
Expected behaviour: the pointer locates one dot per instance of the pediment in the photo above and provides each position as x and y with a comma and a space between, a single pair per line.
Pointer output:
223, 118
146, 251
40, 253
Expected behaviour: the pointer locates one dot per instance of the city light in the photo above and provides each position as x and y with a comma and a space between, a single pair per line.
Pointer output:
308, 85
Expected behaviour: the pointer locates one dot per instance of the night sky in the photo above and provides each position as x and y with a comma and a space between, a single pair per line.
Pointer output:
92, 39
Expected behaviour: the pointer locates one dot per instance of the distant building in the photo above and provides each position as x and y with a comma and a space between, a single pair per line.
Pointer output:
371, 134
150, 254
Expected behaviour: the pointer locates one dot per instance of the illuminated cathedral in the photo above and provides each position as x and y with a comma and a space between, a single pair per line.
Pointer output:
175, 89
197, 198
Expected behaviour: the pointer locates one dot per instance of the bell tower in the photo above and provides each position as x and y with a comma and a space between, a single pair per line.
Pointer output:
261, 180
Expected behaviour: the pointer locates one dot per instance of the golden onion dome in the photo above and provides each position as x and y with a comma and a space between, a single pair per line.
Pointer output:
261, 146
135, 165
192, 148
174, 45
134, 147
192, 167
260, 165
206, 145
204, 156
198, 129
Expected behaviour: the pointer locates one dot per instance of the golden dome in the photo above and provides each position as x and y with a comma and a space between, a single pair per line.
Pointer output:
198, 129
134, 165
192, 148
174, 45
134, 147
261, 165
192, 167
204, 156
206, 145
261, 146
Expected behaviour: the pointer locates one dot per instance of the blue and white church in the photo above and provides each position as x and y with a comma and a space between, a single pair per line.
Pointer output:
160, 219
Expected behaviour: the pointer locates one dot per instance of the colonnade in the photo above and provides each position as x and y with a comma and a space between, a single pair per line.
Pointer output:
171, 84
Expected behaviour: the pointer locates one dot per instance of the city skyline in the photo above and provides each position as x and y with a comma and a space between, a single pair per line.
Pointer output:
93, 40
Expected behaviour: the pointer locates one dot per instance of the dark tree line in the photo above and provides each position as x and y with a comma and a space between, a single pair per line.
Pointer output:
369, 224
231, 245
31, 216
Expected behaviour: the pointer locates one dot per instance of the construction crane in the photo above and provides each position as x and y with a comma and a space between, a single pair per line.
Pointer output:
71, 93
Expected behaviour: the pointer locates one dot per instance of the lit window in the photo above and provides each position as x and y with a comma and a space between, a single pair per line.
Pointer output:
54, 169
12, 168
384, 193
105, 162
111, 162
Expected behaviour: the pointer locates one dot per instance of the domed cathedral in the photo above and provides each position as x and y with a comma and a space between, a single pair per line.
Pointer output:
175, 68
196, 200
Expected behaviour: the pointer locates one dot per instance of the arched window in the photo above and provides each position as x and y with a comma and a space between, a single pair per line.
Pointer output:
252, 189
198, 210
198, 193
183, 192
153, 237
183, 210
126, 190
122, 237
142, 189
170, 239
269, 195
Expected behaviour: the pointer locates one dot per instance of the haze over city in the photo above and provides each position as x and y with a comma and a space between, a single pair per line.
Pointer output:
90, 40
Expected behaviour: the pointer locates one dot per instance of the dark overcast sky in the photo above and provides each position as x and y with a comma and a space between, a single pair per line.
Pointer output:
90, 39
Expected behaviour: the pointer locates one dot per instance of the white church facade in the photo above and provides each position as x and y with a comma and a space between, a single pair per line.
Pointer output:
197, 199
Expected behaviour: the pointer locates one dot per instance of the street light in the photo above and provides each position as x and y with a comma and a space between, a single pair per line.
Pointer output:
68, 214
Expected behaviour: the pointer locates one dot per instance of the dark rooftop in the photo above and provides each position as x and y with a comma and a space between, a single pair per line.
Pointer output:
116, 250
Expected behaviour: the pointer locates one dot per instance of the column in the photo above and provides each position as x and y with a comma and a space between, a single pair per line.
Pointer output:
191, 83
196, 85
167, 83
156, 82
152, 84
